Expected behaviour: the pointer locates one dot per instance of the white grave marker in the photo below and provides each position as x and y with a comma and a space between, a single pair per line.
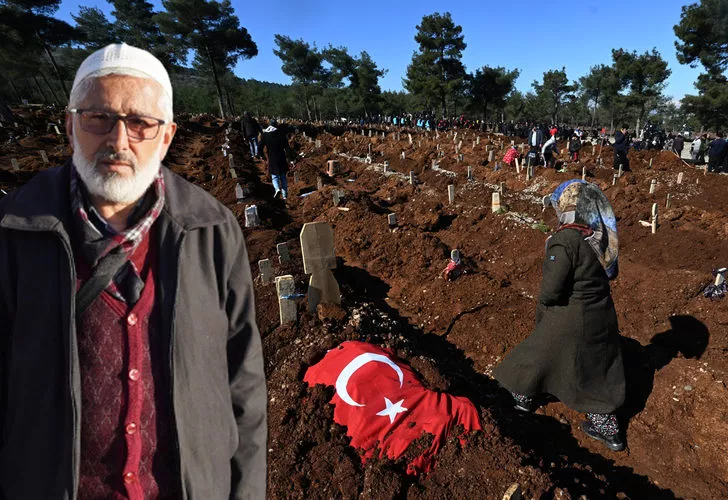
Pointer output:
266, 271
283, 254
317, 246
286, 287
495, 202
251, 216
451, 193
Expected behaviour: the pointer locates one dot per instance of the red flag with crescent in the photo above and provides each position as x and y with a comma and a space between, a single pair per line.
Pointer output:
382, 403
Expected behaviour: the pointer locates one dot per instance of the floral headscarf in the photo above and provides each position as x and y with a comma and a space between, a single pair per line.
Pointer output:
582, 205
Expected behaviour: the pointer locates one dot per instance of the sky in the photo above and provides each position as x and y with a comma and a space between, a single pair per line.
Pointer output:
532, 36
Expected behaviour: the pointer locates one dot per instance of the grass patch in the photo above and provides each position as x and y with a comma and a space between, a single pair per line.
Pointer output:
541, 227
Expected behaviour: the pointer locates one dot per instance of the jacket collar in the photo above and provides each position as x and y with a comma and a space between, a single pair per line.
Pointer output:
44, 203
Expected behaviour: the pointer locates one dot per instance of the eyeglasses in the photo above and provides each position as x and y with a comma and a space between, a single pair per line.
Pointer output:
140, 128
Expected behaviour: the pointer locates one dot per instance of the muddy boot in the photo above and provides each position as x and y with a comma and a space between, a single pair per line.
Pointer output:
613, 442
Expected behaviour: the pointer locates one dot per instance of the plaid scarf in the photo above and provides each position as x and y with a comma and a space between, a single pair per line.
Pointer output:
109, 254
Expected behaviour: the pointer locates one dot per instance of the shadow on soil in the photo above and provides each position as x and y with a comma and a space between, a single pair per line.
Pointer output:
545, 442
687, 336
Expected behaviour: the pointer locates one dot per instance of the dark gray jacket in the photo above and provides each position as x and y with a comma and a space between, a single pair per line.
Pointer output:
575, 351
205, 290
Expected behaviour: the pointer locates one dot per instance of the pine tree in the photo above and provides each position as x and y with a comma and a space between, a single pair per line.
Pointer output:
436, 71
213, 31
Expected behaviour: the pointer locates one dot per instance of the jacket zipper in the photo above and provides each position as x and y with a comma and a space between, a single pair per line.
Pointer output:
171, 369
71, 365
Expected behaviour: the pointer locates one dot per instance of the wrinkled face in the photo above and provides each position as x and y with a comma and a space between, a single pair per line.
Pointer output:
114, 166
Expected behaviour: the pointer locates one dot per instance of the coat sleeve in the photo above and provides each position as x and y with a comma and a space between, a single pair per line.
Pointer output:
556, 275
247, 378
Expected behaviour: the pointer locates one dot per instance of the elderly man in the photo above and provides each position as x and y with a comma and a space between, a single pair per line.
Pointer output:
130, 361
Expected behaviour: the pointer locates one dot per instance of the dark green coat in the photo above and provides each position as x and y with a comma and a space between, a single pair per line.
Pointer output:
574, 353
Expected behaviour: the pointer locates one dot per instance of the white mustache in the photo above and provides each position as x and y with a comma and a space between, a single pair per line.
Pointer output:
109, 155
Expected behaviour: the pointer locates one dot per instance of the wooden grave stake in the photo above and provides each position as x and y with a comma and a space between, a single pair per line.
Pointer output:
667, 203
318, 143
680, 178
619, 172
317, 247
285, 287
451, 193
319, 183
650, 163
412, 177
239, 194
470, 173
477, 140
495, 202
402, 155
15, 164
653, 185
233, 173
266, 271
409, 137
654, 218
283, 254
44, 157
583, 173
491, 156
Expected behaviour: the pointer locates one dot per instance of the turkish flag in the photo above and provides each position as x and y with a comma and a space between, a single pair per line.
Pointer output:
382, 403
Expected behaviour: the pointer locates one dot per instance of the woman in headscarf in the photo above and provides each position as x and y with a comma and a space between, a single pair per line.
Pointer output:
574, 353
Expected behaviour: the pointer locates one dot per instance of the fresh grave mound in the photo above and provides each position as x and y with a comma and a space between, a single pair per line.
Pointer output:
384, 405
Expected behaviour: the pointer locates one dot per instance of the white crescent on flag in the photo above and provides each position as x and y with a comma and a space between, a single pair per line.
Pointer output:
343, 379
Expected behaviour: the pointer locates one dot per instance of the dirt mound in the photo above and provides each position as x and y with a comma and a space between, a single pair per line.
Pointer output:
454, 332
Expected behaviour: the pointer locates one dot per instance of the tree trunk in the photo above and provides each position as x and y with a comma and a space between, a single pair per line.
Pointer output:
214, 74
55, 66
305, 98
45, 99
12, 85
53, 93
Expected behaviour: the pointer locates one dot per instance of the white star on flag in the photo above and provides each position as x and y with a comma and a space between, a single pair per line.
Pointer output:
392, 410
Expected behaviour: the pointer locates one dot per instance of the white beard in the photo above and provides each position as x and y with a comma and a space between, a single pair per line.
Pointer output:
111, 186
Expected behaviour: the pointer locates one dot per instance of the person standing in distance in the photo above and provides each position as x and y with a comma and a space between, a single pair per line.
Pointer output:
130, 361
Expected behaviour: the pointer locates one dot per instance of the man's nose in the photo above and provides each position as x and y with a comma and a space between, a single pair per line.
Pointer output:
118, 136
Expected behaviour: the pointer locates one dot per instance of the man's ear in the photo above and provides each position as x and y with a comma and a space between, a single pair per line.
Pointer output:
169, 131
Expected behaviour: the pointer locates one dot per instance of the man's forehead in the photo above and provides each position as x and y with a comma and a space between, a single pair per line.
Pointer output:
124, 93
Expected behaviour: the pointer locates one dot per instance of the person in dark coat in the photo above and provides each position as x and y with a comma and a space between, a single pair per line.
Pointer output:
717, 150
275, 143
251, 129
574, 353
678, 144
574, 147
621, 145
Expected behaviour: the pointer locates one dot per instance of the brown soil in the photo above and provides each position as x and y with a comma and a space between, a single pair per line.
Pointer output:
454, 333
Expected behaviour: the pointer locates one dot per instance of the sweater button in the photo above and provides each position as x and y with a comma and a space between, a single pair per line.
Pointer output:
129, 477
131, 428
132, 319
134, 374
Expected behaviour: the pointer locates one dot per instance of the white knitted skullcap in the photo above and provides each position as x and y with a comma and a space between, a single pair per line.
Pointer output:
126, 60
